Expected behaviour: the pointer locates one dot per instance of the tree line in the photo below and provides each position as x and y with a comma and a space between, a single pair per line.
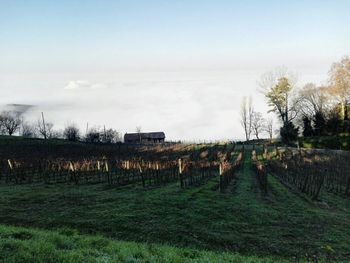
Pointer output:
12, 122
311, 110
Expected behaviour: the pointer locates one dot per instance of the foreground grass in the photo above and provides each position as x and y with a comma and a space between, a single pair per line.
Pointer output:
18, 244
281, 224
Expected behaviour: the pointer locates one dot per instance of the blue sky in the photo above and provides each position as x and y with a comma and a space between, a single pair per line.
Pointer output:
46, 46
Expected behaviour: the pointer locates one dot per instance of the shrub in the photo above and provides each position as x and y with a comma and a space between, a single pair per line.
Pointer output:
289, 133
71, 133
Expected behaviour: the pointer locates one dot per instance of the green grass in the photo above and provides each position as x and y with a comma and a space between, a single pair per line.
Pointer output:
282, 224
6, 139
18, 244
340, 142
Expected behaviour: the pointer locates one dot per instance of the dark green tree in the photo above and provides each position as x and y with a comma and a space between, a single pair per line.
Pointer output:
289, 133
307, 129
319, 123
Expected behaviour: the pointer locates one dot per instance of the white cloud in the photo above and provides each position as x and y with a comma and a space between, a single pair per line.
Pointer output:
83, 84
185, 105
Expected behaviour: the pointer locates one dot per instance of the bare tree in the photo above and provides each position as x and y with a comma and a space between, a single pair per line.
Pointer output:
10, 122
244, 117
250, 115
71, 133
257, 123
340, 83
27, 130
93, 135
268, 127
44, 129
246, 113
139, 130
56, 134
313, 100
2, 127
111, 136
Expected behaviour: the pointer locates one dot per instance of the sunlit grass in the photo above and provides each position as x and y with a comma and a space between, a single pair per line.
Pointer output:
18, 244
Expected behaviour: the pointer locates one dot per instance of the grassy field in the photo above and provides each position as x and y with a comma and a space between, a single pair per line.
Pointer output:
281, 225
339, 142
18, 244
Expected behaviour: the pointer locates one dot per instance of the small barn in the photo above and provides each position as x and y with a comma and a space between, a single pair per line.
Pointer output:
144, 137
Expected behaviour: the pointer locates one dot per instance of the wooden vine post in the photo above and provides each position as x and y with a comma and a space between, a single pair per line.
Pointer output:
71, 167
276, 151
158, 179
142, 177
180, 172
107, 170
11, 169
220, 176
72, 170
265, 154
10, 164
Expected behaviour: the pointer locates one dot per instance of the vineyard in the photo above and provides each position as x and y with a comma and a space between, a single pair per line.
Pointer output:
285, 203
310, 172
189, 165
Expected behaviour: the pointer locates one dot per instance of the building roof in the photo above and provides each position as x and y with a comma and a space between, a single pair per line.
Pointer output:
144, 135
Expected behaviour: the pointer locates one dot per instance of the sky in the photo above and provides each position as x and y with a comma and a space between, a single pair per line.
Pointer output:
179, 66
